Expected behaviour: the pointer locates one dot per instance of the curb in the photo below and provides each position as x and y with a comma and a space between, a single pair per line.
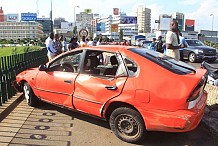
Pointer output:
10, 105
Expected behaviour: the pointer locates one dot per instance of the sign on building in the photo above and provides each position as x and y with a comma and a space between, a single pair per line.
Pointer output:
189, 25
12, 17
88, 11
129, 20
114, 27
164, 24
116, 11
28, 16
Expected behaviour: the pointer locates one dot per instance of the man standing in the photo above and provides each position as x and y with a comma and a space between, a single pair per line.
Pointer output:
172, 41
50, 46
159, 46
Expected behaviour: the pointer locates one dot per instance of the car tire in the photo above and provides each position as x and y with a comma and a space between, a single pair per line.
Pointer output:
29, 95
192, 57
127, 124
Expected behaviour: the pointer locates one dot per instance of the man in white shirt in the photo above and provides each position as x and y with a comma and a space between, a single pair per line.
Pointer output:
172, 41
50, 46
90, 42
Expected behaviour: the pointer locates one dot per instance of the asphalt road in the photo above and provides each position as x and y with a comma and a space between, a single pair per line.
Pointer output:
198, 64
50, 125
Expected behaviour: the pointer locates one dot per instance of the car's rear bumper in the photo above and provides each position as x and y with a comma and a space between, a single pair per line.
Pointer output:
177, 121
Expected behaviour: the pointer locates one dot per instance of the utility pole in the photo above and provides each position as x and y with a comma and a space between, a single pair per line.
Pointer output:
51, 18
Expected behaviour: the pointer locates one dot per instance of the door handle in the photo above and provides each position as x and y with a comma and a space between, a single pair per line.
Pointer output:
111, 87
68, 81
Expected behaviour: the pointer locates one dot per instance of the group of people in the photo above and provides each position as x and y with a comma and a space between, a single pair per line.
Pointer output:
56, 44
174, 42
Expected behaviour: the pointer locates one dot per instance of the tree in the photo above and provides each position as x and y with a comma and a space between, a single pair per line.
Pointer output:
141, 31
75, 31
121, 35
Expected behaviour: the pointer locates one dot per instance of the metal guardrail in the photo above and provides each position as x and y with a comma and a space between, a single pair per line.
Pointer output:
12, 65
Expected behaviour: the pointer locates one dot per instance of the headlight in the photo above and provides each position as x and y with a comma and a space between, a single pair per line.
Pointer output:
199, 51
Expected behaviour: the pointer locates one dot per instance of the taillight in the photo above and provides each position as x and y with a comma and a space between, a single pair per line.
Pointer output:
198, 89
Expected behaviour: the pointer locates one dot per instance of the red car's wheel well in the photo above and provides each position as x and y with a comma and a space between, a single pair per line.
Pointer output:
116, 105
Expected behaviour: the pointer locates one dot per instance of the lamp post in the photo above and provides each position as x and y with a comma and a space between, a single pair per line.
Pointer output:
212, 25
75, 14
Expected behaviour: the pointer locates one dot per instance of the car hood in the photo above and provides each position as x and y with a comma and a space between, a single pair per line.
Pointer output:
202, 48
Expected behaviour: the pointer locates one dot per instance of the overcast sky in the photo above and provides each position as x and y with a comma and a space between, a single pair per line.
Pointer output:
199, 10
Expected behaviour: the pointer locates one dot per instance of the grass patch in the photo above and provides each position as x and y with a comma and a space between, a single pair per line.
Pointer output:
8, 51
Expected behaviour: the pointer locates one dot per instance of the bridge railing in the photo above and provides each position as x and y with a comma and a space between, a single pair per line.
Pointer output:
12, 65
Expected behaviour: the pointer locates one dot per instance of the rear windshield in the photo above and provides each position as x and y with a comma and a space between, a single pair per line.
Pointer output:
167, 62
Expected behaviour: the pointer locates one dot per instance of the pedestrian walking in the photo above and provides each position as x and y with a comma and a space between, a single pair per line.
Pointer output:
99, 42
172, 41
50, 46
73, 43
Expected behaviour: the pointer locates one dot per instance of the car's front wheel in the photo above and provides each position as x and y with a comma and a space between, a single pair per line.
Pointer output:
192, 57
127, 124
29, 95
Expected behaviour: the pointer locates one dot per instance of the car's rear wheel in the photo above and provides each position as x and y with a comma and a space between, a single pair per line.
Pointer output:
29, 95
192, 57
127, 124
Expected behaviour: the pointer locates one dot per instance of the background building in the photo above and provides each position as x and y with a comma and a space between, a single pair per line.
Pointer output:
180, 18
46, 25
20, 30
1, 15
57, 22
143, 19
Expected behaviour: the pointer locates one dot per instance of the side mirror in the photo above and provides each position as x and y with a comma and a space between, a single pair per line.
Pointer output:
42, 67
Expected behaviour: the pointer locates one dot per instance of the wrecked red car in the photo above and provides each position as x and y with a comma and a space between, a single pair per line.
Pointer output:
136, 90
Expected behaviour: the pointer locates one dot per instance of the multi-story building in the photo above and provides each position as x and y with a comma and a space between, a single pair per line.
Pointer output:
57, 22
1, 15
20, 30
143, 19
180, 18
85, 20
46, 24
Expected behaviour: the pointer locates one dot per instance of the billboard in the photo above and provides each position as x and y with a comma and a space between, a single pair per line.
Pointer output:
88, 11
28, 16
12, 18
164, 24
189, 25
100, 27
116, 11
67, 25
129, 20
114, 27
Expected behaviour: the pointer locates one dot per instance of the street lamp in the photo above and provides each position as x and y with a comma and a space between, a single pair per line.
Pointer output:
75, 14
212, 24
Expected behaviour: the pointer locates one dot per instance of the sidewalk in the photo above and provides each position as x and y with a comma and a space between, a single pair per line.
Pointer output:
210, 119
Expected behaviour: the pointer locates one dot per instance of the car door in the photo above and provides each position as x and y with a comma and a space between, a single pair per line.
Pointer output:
93, 89
56, 84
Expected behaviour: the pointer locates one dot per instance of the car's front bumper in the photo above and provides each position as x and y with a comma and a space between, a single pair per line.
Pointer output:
176, 121
16, 86
205, 57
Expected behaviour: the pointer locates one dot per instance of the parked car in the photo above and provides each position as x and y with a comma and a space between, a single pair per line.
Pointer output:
146, 44
195, 50
136, 90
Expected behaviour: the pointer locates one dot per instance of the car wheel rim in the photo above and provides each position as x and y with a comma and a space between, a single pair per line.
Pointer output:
127, 126
192, 57
26, 93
